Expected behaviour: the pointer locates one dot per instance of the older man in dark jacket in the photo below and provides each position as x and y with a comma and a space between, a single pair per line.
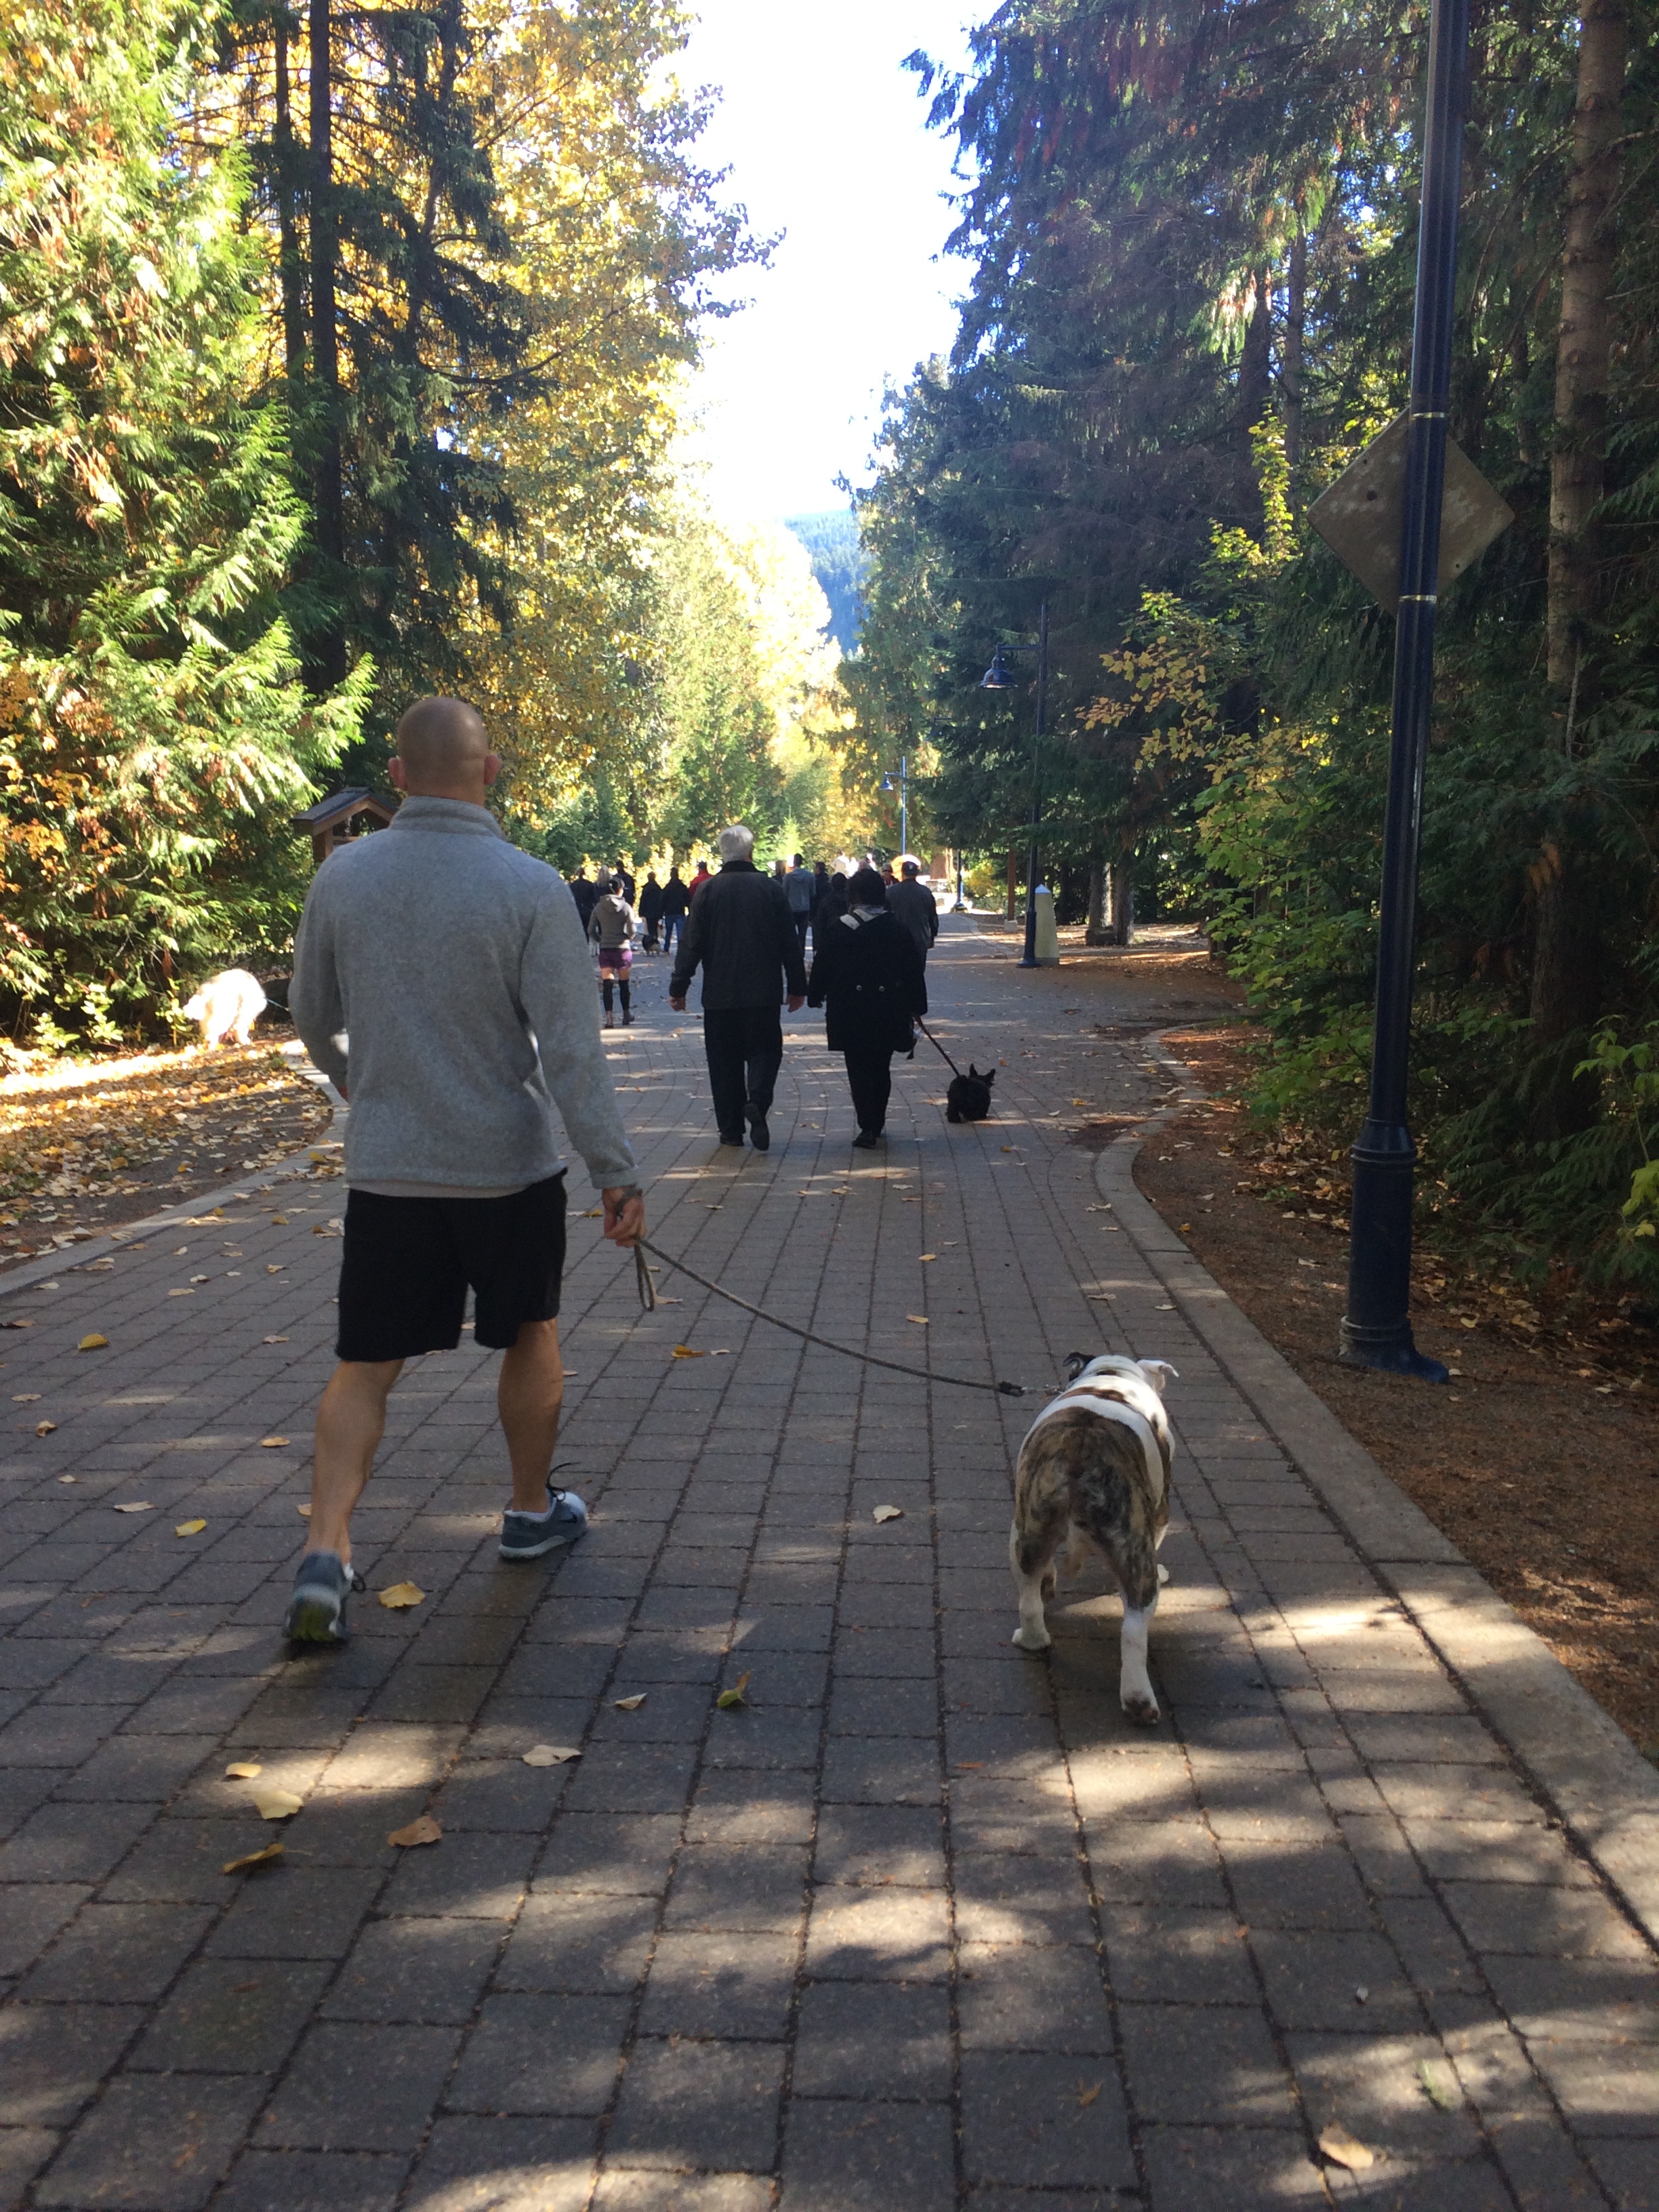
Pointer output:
739, 932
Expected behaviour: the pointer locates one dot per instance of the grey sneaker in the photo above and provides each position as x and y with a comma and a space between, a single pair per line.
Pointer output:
527, 1536
316, 1612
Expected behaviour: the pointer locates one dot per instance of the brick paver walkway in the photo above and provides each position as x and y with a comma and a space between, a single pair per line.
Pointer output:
925, 1923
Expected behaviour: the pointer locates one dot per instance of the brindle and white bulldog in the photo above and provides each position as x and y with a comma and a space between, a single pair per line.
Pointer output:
1094, 1469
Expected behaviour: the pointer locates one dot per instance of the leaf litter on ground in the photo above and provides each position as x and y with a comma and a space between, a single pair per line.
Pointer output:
423, 1831
397, 1596
550, 1754
729, 1700
249, 1860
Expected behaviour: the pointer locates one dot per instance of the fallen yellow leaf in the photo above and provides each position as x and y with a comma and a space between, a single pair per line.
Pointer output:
279, 1221
685, 1351
252, 1859
1343, 2149
136, 1505
631, 1705
920, 1320
273, 1339
93, 1343
190, 1528
276, 1804
397, 1596
729, 1698
888, 1513
271, 1444
304, 1510
62, 1478
243, 1769
423, 1831
926, 1256
25, 1397
1086, 2093
550, 1754
273, 1267
44, 1429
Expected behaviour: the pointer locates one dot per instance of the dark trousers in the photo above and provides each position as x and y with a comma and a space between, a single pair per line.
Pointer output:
803, 922
744, 1050
870, 1079
671, 923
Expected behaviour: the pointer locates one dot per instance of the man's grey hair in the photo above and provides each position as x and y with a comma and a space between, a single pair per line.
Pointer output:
736, 843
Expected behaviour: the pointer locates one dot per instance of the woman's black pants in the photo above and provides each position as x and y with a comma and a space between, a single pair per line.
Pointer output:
870, 1079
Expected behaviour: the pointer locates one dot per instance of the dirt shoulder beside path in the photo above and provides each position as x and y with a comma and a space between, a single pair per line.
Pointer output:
88, 1144
1540, 1460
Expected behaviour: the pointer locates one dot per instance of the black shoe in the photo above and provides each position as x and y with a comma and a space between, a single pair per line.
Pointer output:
867, 1139
759, 1135
732, 1137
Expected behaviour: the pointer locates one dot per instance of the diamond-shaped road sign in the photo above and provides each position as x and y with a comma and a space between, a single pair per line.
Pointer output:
1361, 515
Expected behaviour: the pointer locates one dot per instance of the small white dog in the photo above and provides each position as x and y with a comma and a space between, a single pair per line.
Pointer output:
1094, 1469
227, 1004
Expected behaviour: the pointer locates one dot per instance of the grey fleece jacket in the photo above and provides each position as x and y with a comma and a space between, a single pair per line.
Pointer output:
449, 956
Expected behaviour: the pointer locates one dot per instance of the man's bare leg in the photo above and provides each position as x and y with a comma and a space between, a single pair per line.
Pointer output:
528, 1398
350, 1422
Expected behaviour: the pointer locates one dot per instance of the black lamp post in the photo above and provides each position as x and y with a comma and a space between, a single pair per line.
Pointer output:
1376, 1330
999, 677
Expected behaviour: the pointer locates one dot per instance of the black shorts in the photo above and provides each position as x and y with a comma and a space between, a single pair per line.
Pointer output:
407, 1263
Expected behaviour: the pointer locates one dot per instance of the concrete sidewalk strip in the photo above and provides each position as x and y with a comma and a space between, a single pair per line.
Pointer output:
924, 1921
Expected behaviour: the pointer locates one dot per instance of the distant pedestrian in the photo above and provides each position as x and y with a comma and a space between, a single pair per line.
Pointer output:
801, 888
700, 878
911, 903
867, 975
675, 905
585, 893
740, 935
651, 910
832, 902
611, 929
625, 880
454, 968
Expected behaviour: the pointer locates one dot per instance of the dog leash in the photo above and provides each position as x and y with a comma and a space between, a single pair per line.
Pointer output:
937, 1046
648, 1301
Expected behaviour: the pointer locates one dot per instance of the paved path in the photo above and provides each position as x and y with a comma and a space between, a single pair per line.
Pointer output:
925, 1925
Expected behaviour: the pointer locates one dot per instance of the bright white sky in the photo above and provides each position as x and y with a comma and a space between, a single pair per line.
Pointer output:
823, 133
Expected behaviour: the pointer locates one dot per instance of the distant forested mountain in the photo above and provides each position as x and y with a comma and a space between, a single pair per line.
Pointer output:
837, 558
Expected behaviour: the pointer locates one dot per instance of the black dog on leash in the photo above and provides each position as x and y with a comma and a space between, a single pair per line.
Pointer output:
969, 1098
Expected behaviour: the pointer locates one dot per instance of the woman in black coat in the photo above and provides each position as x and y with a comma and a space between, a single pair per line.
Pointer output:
867, 974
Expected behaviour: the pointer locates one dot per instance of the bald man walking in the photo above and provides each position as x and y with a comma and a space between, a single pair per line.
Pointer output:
456, 968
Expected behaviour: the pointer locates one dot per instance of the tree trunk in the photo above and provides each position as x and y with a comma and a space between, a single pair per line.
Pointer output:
1565, 995
290, 265
1290, 380
1253, 397
1094, 931
1577, 471
1123, 901
328, 502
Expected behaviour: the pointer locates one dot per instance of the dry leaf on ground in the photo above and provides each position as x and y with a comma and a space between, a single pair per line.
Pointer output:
190, 1528
93, 1343
243, 1769
397, 1596
273, 1339
44, 1429
25, 1397
304, 1508
276, 1804
423, 1831
1437, 2079
929, 1255
271, 1444
1343, 2149
920, 1320
631, 1705
133, 1504
550, 1754
1087, 2092
729, 1699
252, 1859
62, 1478
888, 1513
685, 1351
